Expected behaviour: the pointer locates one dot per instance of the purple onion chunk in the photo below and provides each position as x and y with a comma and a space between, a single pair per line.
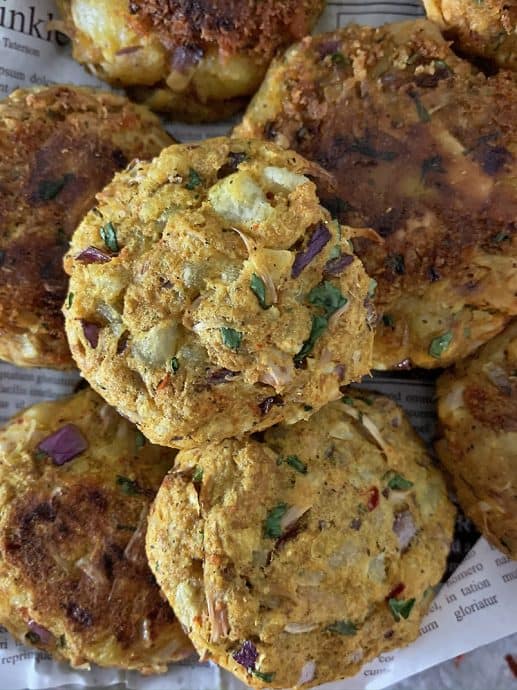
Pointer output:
91, 333
64, 444
185, 57
38, 634
268, 403
319, 238
247, 655
217, 376
335, 267
92, 255
328, 48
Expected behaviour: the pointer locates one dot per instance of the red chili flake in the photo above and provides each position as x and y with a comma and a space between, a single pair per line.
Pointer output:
398, 589
163, 383
458, 659
373, 498
512, 664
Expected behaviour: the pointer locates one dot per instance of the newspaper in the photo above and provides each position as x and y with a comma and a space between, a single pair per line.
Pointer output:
478, 603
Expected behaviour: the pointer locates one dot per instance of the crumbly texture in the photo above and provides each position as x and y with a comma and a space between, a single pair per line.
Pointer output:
59, 145
231, 300
197, 60
304, 543
74, 579
482, 28
424, 150
477, 409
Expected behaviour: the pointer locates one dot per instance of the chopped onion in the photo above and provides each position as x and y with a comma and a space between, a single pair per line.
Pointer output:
299, 628
307, 673
292, 515
64, 444
276, 376
218, 615
368, 425
92, 255
45, 636
247, 655
498, 376
319, 238
405, 528
91, 333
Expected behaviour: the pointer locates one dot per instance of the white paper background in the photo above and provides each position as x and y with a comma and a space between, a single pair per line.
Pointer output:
484, 594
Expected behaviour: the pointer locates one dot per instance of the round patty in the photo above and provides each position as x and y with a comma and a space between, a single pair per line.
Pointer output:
487, 29
76, 481
223, 298
197, 60
477, 409
58, 146
423, 150
294, 558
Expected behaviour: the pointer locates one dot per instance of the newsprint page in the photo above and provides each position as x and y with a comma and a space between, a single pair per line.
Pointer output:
475, 606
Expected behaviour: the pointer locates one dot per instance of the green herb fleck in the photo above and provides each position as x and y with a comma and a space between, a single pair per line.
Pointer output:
139, 440
319, 326
109, 236
421, 110
49, 189
401, 608
258, 287
128, 486
328, 297
197, 477
295, 462
397, 482
272, 527
32, 636
388, 320
339, 59
396, 263
372, 288
347, 400
440, 344
265, 677
194, 179
69, 300
335, 252
501, 237
342, 628
441, 64
40, 455
61, 641
231, 338
431, 164
175, 365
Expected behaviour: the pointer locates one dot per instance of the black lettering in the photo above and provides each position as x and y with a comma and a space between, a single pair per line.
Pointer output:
12, 26
33, 25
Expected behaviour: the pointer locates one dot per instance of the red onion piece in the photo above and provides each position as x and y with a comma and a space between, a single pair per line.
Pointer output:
92, 255
268, 403
247, 655
185, 57
64, 444
334, 267
319, 238
45, 636
91, 333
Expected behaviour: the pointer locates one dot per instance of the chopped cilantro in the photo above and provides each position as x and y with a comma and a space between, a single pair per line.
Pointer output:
197, 477
388, 320
175, 365
342, 628
396, 263
139, 440
231, 338
69, 300
335, 252
265, 677
440, 344
128, 486
40, 455
339, 59
258, 287
501, 237
328, 297
397, 482
295, 462
49, 189
194, 179
347, 400
319, 326
272, 527
401, 607
421, 110
441, 64
109, 236
372, 288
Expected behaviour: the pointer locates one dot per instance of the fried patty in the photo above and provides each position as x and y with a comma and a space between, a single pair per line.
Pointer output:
198, 60
76, 482
486, 28
224, 298
424, 150
59, 145
477, 409
294, 558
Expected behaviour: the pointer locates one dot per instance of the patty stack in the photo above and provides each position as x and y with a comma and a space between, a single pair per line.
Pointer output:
223, 485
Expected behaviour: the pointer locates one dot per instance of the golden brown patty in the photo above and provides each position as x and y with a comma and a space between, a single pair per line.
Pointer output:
477, 408
486, 28
293, 559
225, 299
198, 60
58, 146
76, 481
424, 150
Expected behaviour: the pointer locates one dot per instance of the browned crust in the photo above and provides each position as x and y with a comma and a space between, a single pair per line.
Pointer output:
248, 26
58, 147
